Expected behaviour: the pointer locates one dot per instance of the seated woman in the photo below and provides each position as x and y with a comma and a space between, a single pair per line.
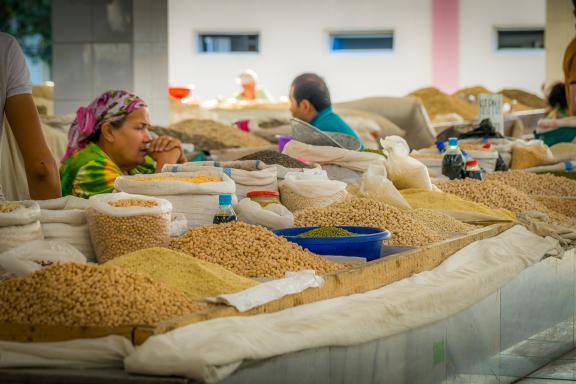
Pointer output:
558, 126
110, 138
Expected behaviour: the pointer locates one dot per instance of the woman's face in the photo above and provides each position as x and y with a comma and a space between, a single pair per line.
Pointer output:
130, 141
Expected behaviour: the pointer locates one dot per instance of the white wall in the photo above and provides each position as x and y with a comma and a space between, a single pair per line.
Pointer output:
294, 40
480, 63
559, 32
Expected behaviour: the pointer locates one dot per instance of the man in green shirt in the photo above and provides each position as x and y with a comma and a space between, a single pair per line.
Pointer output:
310, 102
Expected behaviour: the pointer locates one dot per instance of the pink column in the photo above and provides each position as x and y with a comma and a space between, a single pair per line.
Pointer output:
445, 51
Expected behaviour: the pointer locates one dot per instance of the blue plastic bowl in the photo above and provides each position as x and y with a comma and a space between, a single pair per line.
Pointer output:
367, 243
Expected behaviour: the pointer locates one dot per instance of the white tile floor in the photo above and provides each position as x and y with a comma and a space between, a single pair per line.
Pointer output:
561, 370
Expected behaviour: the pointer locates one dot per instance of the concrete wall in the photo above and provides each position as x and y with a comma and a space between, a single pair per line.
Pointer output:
294, 39
481, 63
559, 32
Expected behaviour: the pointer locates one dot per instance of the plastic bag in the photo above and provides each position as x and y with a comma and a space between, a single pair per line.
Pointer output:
249, 175
26, 258
403, 170
117, 230
375, 185
15, 235
27, 212
311, 190
273, 216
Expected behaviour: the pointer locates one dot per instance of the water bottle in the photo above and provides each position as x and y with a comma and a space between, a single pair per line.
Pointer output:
225, 212
453, 161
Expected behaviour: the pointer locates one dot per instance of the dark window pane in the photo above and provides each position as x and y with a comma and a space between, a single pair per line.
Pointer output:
362, 42
221, 43
521, 39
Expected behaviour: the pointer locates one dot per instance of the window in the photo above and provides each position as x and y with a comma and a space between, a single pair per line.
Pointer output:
362, 41
522, 39
228, 42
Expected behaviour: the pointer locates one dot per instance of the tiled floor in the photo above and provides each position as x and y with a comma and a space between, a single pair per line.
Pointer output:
561, 370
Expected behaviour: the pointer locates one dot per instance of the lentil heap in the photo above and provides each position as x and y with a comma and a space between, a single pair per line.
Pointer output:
440, 222
195, 180
250, 250
535, 184
273, 157
357, 211
225, 134
437, 103
327, 232
7, 207
194, 277
76, 294
495, 194
201, 143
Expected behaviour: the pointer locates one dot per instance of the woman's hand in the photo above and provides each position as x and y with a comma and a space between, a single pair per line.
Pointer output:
166, 150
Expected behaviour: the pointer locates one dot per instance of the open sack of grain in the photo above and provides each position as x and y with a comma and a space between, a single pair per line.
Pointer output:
272, 216
32, 256
340, 164
19, 223
64, 219
194, 194
121, 223
311, 190
249, 175
282, 162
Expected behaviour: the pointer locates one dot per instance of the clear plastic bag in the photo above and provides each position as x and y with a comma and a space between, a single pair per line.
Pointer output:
311, 190
404, 171
375, 185
273, 216
117, 230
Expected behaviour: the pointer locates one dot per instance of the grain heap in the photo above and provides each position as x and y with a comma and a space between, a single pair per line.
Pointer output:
495, 194
196, 278
437, 103
226, 134
249, 250
7, 207
123, 203
201, 143
440, 222
564, 206
534, 184
466, 93
76, 294
273, 157
365, 212
526, 98
327, 232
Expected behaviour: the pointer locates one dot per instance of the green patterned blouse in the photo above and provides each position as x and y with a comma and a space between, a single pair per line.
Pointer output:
91, 172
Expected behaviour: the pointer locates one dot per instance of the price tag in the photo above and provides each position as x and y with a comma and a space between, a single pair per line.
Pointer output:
490, 107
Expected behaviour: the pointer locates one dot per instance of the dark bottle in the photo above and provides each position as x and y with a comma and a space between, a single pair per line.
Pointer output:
453, 161
225, 213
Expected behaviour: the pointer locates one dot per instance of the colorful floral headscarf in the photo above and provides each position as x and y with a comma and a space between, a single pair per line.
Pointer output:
109, 107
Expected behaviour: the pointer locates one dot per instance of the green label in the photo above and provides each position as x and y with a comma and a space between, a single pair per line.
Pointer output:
438, 352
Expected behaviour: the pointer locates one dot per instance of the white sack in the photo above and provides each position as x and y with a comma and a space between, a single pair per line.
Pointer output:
15, 235
273, 216
375, 185
404, 171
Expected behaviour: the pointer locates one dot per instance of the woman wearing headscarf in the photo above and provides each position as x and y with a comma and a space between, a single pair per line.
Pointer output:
110, 138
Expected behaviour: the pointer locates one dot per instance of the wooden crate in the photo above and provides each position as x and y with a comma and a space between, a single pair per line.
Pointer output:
358, 279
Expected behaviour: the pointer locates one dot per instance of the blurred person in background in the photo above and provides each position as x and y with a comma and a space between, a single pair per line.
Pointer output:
250, 91
17, 104
110, 138
310, 102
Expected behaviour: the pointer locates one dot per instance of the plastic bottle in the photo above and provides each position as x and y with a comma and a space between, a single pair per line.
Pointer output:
225, 213
453, 161
441, 146
473, 170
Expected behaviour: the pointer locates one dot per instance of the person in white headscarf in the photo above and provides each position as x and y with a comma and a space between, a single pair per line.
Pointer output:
250, 91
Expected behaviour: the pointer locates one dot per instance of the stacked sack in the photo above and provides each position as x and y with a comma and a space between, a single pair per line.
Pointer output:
19, 223
249, 175
193, 194
64, 219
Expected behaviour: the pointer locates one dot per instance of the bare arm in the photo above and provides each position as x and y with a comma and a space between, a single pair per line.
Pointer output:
572, 100
41, 168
